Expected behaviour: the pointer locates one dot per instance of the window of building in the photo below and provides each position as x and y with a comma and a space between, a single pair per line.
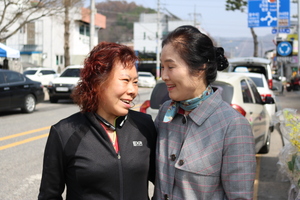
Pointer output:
22, 29
84, 29
61, 59
31, 33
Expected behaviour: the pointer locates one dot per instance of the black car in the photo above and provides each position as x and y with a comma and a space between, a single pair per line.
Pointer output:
18, 91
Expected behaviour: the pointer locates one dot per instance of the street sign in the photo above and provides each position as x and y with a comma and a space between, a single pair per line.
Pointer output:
284, 13
284, 48
281, 30
263, 13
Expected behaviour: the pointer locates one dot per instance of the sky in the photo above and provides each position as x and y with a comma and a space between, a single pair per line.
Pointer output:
211, 15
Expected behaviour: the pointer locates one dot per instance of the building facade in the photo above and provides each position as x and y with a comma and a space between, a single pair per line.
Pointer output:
145, 31
41, 42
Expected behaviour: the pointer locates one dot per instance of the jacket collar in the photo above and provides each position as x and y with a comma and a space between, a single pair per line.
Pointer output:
207, 108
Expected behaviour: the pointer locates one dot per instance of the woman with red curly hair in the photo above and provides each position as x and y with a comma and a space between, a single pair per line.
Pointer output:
106, 151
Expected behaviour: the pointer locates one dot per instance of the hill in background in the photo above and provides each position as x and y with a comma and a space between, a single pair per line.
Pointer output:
120, 17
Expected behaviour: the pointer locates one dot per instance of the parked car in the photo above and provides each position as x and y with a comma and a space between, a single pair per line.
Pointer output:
40, 74
241, 93
146, 79
293, 83
278, 83
252, 64
264, 91
63, 86
18, 91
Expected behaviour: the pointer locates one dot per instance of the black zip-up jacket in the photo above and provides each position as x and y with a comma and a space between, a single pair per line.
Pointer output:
80, 155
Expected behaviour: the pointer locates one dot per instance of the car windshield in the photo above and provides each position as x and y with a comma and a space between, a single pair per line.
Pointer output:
71, 73
227, 90
252, 68
29, 72
258, 81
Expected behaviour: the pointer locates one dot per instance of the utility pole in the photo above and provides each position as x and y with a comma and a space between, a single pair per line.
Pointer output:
92, 24
158, 42
194, 15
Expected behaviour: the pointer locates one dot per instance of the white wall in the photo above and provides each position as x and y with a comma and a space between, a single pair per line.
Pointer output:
145, 37
145, 34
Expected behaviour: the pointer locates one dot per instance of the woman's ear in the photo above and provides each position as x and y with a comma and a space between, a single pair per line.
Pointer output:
201, 71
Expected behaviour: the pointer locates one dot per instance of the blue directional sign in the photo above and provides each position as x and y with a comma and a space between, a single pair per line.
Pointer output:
263, 13
281, 30
285, 48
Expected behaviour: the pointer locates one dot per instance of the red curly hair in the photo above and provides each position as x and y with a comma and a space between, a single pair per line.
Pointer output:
97, 69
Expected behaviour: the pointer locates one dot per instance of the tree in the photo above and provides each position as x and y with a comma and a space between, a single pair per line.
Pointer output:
14, 14
68, 5
241, 5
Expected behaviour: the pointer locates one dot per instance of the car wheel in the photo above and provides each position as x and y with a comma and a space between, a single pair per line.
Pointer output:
266, 148
53, 100
29, 104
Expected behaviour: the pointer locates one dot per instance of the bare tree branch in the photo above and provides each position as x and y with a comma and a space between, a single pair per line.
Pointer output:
16, 13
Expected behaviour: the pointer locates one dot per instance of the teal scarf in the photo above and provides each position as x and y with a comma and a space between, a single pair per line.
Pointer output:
187, 105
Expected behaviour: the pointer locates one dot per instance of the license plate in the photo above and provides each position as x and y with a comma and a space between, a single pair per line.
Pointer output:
62, 89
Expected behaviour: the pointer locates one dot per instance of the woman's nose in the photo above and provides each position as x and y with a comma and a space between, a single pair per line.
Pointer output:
132, 89
164, 75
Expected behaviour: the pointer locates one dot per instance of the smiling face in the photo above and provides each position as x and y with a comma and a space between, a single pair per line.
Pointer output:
175, 72
119, 92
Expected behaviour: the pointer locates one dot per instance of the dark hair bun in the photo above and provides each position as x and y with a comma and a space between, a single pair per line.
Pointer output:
221, 60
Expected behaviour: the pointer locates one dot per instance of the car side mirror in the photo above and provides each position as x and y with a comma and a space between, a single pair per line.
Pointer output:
40, 74
269, 100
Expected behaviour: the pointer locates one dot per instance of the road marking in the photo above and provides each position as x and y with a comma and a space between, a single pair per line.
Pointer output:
256, 181
24, 133
23, 141
136, 107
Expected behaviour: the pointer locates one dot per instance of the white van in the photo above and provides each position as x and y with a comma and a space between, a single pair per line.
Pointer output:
254, 65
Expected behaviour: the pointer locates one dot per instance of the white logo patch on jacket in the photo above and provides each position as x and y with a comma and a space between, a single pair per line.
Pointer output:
137, 143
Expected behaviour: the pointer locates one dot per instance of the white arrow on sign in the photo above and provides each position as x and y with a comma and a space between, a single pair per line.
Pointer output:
287, 50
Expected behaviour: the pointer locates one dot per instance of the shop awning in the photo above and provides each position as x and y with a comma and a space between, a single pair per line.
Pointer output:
8, 52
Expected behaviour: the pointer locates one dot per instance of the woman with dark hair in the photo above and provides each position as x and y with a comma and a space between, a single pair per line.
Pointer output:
205, 148
106, 151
